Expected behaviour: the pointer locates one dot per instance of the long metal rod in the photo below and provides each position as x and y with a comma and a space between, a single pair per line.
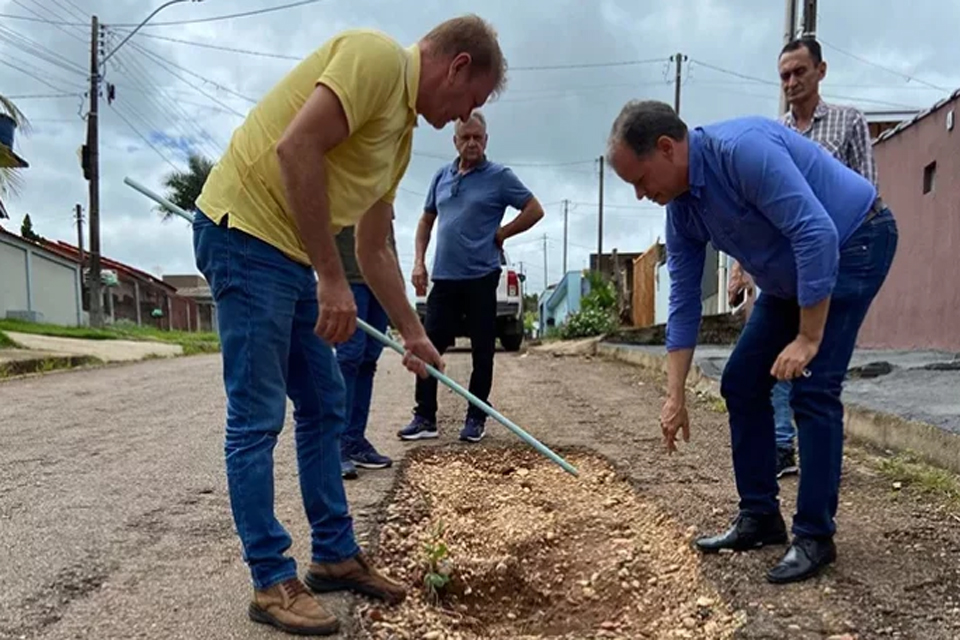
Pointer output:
393, 344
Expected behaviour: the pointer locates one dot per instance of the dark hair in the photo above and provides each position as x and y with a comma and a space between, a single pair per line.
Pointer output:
642, 122
810, 44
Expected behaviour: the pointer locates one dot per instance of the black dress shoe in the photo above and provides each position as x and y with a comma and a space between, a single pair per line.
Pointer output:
748, 532
804, 559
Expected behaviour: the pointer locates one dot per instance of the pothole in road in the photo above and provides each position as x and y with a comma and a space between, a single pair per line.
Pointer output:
501, 543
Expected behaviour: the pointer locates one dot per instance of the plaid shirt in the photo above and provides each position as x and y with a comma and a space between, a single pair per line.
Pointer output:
842, 131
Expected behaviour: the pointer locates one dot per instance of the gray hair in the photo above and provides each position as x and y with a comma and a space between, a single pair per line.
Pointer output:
474, 115
642, 122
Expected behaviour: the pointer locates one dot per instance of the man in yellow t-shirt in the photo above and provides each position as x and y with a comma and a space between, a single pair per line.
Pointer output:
324, 149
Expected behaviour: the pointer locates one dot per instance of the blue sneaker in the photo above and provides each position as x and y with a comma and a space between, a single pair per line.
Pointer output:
418, 429
347, 469
370, 459
473, 430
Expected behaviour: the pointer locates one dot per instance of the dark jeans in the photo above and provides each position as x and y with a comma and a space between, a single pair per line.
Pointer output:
865, 260
267, 309
451, 303
358, 363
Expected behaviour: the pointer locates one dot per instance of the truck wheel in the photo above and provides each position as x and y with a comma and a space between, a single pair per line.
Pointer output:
511, 341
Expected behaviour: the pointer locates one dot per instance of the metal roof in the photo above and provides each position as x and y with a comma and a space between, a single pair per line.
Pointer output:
889, 133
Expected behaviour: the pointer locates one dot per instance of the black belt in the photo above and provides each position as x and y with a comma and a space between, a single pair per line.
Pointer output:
875, 208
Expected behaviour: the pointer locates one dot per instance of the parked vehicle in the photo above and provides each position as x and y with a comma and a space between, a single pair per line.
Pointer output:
509, 307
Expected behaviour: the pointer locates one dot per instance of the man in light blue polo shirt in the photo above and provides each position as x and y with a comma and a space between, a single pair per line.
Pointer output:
813, 234
468, 199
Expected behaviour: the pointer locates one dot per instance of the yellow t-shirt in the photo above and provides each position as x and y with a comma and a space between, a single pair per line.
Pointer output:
376, 81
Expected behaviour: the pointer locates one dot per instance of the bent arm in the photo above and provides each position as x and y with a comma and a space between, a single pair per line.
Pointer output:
530, 215
685, 259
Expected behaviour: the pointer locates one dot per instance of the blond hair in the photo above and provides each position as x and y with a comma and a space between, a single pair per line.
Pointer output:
472, 35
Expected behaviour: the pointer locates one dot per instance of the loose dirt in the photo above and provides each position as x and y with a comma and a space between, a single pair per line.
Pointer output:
532, 552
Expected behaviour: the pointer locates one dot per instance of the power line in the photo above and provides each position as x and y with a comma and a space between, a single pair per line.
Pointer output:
587, 65
158, 59
42, 96
188, 83
34, 48
169, 23
144, 138
33, 75
906, 76
215, 47
448, 158
69, 33
74, 11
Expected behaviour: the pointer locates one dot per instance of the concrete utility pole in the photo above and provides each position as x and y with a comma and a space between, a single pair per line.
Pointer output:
600, 220
546, 280
566, 203
810, 18
789, 31
679, 58
93, 167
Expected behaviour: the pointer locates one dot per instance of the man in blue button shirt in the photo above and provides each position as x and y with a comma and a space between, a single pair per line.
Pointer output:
819, 246
468, 199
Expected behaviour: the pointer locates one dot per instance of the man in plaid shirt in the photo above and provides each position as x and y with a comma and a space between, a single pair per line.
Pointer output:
841, 130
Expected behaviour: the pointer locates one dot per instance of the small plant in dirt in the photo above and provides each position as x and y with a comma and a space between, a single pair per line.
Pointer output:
437, 565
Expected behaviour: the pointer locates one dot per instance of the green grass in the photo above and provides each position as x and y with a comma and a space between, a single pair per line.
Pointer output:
191, 342
6, 342
911, 472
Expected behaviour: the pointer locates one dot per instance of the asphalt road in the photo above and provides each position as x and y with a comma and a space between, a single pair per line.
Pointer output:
115, 523
114, 518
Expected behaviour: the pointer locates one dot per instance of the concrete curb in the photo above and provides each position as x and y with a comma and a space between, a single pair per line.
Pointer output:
886, 431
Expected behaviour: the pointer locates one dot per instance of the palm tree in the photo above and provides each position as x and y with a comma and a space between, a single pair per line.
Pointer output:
184, 187
11, 180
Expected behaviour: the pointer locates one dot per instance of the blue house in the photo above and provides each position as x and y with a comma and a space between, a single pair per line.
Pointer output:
563, 299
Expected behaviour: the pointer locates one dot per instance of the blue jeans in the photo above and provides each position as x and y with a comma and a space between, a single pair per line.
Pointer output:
746, 385
358, 363
267, 308
783, 414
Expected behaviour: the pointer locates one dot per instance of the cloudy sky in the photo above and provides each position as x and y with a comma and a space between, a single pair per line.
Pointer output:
185, 82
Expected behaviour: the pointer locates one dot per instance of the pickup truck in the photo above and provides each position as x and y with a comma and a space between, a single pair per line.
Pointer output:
509, 307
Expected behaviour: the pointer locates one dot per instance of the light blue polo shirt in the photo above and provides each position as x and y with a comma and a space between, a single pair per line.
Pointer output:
469, 208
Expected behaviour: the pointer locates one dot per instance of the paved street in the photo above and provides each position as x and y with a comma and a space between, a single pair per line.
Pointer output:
114, 521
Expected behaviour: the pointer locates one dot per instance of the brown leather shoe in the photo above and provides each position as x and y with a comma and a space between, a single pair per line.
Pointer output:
355, 574
288, 606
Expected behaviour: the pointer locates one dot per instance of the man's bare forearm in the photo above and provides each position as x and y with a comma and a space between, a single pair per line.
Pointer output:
813, 320
305, 186
531, 215
424, 228
381, 271
678, 368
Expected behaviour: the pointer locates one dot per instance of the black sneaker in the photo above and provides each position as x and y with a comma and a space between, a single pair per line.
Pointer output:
786, 462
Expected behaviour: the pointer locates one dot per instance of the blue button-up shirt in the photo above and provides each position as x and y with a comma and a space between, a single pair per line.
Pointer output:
470, 207
772, 199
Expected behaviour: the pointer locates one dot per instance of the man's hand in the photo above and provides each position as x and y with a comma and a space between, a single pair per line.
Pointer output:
338, 311
673, 420
419, 278
793, 360
738, 281
500, 237
418, 352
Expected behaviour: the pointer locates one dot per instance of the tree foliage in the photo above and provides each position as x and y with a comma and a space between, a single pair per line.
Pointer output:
182, 188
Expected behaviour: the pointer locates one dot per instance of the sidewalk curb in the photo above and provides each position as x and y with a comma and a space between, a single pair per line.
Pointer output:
886, 431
